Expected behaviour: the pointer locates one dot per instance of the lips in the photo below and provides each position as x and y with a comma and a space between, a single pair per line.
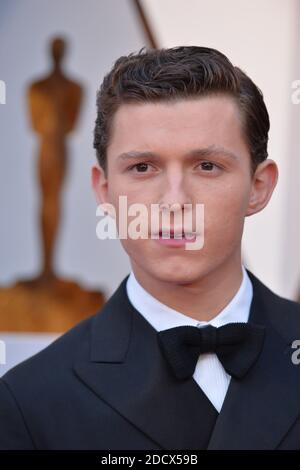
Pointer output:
171, 234
169, 241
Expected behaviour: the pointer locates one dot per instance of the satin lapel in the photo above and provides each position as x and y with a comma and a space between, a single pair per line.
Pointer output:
259, 409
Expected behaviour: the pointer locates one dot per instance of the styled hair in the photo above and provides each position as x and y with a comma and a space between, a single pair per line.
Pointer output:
165, 75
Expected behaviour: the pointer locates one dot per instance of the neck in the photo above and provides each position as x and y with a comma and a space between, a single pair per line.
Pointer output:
202, 299
56, 69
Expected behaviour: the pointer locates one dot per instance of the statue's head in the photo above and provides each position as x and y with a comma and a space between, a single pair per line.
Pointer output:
58, 48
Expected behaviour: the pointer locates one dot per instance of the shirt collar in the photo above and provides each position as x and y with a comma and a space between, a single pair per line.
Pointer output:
162, 317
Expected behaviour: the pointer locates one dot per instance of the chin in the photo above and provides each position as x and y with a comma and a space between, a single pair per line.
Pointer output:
175, 274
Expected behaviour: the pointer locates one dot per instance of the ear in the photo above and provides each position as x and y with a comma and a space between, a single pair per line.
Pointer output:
263, 184
99, 184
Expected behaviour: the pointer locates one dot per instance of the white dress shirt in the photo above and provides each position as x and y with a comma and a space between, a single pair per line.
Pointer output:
209, 372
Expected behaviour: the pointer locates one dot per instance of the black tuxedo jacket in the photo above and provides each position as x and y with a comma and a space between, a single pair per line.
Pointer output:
105, 385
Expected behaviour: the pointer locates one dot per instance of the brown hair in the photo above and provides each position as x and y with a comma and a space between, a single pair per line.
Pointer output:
179, 73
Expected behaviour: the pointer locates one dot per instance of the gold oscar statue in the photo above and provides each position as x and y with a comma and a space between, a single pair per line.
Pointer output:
54, 104
48, 303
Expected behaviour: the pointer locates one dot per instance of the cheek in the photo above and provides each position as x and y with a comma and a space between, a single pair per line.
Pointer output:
136, 194
225, 213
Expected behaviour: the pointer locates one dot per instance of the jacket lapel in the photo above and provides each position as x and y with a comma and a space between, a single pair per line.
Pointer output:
259, 409
126, 369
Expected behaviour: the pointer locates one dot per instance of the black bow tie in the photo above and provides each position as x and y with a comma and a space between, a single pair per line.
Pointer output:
237, 346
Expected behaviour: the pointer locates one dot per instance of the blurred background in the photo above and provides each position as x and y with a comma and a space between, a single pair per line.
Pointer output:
260, 36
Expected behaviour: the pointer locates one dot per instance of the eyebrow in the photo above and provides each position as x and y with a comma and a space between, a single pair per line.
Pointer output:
198, 152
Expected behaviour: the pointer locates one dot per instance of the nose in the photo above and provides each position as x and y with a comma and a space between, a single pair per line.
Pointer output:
175, 192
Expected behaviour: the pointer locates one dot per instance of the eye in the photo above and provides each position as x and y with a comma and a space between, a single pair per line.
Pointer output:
209, 166
141, 167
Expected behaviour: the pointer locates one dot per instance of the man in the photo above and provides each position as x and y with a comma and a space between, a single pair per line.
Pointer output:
192, 351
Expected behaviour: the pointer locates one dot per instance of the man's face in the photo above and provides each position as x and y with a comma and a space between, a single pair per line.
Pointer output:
220, 179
